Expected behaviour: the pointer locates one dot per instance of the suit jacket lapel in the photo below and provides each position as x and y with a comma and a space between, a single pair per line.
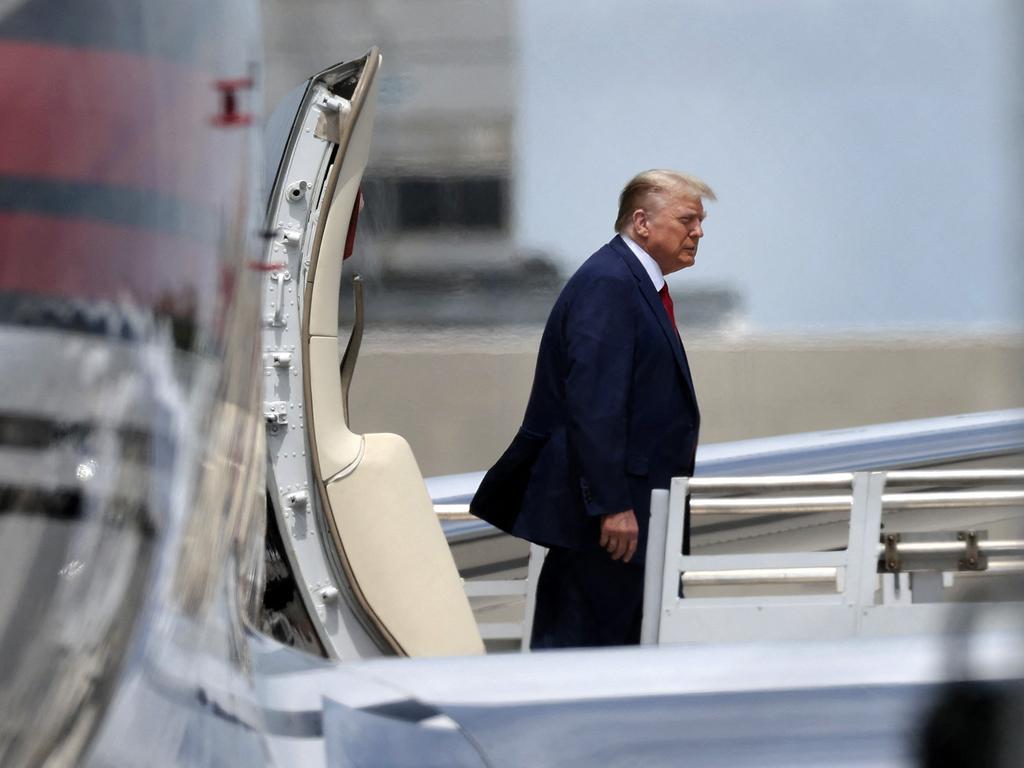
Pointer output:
654, 301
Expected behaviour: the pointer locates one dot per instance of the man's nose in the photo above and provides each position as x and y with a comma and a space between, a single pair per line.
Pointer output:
697, 231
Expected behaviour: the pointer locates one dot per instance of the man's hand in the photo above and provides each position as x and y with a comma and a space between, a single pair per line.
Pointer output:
619, 534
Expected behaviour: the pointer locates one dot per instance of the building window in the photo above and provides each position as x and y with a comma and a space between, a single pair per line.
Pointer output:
418, 204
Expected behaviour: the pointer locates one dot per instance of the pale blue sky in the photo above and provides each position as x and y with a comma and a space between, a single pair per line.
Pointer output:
867, 155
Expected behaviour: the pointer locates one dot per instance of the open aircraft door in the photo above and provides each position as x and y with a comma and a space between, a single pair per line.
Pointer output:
367, 553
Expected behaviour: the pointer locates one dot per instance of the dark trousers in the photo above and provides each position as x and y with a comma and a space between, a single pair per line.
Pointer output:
586, 599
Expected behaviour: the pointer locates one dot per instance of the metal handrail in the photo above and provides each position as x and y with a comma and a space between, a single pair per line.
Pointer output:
763, 576
1007, 547
453, 512
954, 476
835, 492
701, 505
805, 504
760, 576
770, 505
947, 499
830, 479
773, 482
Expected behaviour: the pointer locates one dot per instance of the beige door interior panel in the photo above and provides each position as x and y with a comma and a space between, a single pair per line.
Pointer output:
381, 519
326, 275
337, 448
397, 554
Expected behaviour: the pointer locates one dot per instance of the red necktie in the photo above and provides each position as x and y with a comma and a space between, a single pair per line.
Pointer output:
666, 299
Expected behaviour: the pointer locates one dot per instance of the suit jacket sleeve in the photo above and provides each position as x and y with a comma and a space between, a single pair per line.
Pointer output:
599, 339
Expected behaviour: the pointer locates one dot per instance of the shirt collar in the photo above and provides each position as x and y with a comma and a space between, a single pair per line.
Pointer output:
647, 262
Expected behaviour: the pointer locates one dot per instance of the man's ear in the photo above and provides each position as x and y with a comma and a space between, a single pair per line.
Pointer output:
640, 224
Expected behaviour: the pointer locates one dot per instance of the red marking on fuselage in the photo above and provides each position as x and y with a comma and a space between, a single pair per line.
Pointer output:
96, 261
115, 118
229, 114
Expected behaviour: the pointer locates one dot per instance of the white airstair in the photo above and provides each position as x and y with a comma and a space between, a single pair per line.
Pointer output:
819, 556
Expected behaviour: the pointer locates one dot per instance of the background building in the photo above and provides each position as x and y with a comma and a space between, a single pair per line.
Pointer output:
864, 262
436, 239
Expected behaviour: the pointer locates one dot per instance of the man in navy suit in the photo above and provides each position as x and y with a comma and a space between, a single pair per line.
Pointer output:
612, 414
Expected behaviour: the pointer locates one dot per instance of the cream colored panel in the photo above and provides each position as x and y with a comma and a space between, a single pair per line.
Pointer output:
397, 554
323, 313
336, 446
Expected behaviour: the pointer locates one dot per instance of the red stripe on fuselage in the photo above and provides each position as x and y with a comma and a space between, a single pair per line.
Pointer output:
112, 118
95, 261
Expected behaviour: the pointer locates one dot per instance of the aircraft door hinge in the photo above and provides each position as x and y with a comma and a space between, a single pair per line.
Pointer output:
297, 499
973, 559
278, 320
296, 191
275, 412
335, 111
335, 103
280, 359
892, 554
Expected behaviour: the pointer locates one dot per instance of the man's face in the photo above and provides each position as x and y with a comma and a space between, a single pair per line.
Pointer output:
672, 230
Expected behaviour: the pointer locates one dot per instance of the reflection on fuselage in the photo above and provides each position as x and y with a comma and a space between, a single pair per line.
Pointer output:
130, 426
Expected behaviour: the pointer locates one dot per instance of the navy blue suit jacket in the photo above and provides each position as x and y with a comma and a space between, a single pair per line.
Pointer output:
612, 413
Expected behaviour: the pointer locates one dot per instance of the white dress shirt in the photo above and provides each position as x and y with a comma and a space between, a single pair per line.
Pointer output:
647, 262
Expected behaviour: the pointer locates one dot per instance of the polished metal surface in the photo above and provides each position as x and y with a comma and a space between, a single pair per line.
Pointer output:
832, 503
768, 505
772, 482
911, 548
954, 476
131, 458
760, 576
952, 499
804, 504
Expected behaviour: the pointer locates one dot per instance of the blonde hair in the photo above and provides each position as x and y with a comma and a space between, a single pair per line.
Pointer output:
656, 183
